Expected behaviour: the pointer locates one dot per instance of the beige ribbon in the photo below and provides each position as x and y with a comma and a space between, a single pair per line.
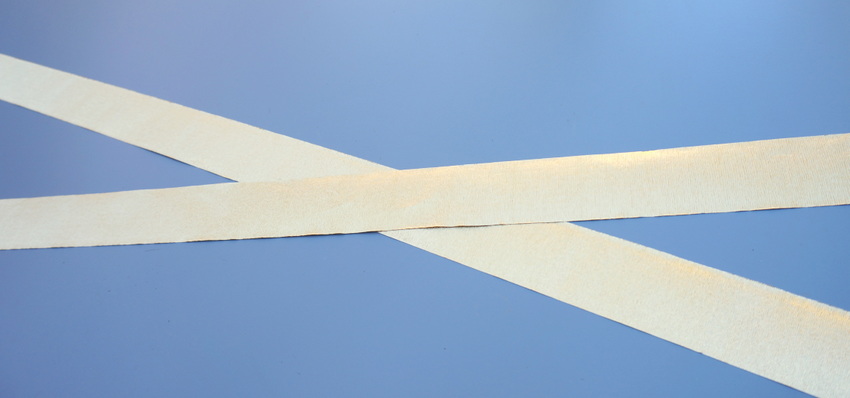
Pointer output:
792, 172
790, 339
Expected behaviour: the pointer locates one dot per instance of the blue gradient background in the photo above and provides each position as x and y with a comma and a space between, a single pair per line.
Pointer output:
407, 85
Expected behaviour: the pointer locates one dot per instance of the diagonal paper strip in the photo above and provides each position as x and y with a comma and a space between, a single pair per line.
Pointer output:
792, 172
790, 339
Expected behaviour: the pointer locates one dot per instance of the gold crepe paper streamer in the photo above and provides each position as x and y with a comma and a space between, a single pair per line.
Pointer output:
787, 338
791, 172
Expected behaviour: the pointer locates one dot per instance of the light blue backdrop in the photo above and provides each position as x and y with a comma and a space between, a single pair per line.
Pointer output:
407, 85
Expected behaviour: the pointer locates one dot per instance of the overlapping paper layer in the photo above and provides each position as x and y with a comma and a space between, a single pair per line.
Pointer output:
791, 339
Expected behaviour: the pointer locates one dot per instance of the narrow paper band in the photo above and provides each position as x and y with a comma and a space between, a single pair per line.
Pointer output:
792, 172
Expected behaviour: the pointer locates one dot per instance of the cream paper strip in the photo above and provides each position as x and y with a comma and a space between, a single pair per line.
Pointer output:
793, 340
792, 172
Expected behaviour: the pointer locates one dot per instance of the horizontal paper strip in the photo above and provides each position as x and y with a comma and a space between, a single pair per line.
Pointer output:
787, 338
793, 172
